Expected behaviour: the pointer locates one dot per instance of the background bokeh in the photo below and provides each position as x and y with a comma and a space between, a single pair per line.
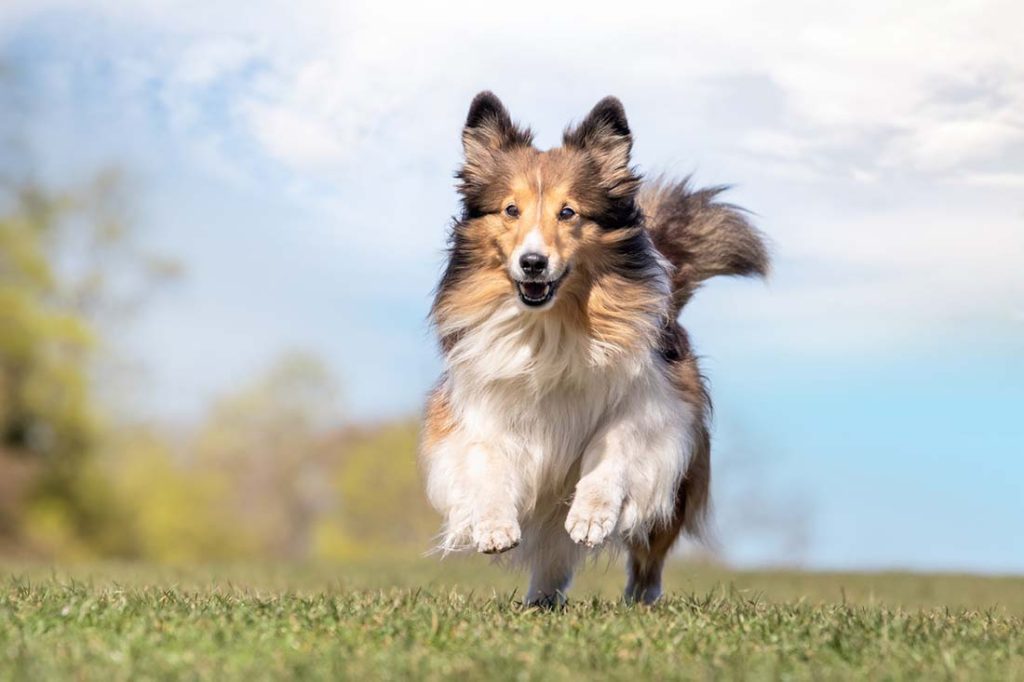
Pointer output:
220, 224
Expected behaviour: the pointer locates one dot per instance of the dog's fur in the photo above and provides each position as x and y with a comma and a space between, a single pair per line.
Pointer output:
572, 412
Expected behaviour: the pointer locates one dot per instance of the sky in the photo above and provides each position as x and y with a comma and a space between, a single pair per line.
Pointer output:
298, 162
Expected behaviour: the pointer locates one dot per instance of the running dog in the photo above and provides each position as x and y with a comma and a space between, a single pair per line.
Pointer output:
572, 413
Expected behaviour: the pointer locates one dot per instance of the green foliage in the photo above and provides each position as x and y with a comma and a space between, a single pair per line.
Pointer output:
348, 625
45, 349
381, 508
75, 514
264, 440
45, 344
267, 476
60, 252
172, 511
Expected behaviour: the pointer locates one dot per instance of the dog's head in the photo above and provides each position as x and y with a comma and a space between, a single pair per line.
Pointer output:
537, 217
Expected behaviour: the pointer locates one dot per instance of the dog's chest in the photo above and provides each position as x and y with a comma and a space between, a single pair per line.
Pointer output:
549, 414
562, 420
538, 388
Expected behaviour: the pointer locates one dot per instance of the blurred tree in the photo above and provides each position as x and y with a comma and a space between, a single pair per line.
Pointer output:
70, 263
380, 507
45, 345
267, 440
175, 510
263, 475
60, 252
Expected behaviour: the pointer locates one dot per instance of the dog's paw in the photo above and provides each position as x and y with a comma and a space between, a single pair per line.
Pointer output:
495, 537
590, 524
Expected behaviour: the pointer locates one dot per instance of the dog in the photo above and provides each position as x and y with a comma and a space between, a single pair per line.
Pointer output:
572, 413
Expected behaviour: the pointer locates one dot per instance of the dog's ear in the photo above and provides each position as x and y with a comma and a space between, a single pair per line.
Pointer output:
488, 132
605, 137
490, 129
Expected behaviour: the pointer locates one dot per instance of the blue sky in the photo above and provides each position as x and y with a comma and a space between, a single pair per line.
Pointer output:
299, 164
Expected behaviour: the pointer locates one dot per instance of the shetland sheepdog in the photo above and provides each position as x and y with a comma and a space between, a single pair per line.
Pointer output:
572, 413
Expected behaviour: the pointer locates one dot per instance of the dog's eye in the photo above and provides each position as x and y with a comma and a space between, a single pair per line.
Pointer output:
566, 213
512, 211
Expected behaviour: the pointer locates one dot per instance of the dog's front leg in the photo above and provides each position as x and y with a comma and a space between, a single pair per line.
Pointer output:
601, 490
490, 500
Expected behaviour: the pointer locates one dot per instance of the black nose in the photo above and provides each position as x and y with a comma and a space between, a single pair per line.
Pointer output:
533, 264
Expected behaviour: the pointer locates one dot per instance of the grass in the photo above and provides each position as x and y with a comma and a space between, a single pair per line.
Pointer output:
425, 619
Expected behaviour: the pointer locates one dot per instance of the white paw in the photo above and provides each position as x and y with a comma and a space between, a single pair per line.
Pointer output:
590, 524
495, 537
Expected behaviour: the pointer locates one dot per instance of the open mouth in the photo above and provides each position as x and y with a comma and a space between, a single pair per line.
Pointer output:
536, 294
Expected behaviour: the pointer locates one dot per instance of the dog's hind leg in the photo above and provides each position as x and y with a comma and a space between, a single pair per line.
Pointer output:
645, 565
552, 557
647, 560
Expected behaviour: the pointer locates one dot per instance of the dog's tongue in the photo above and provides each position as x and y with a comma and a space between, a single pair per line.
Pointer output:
535, 289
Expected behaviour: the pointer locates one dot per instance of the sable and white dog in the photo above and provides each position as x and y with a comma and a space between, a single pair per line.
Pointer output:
571, 412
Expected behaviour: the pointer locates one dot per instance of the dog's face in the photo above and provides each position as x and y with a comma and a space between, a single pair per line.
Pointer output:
536, 218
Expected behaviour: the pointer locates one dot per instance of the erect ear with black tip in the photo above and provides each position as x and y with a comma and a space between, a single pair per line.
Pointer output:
485, 105
606, 121
489, 128
488, 133
604, 134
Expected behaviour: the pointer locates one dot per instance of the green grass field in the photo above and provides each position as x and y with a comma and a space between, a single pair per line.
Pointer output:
431, 619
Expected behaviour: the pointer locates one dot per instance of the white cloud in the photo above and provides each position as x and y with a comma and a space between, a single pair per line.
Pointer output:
948, 145
1008, 180
299, 139
331, 72
873, 109
206, 61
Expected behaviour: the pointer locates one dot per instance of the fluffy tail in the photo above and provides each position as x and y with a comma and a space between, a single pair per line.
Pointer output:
700, 236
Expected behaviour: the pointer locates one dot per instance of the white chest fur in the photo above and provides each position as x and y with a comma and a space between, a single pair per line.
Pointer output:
527, 382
